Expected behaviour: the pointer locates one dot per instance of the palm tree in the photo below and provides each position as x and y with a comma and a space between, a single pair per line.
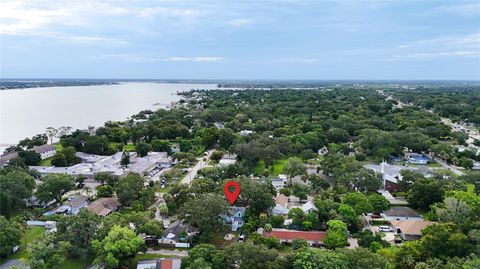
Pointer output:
87, 190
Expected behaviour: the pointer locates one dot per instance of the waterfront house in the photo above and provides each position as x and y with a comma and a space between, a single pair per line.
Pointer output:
45, 151
5, 158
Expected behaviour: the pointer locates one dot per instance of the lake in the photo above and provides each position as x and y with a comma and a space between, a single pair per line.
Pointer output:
26, 112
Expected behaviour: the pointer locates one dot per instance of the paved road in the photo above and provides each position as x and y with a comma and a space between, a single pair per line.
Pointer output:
200, 165
15, 262
179, 253
447, 166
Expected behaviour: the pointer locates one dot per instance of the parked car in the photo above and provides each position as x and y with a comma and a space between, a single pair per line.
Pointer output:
385, 229
241, 238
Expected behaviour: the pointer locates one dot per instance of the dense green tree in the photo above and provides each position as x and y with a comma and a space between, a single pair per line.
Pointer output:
336, 236
249, 256
300, 190
294, 167
47, 252
30, 157
117, 248
337, 135
298, 243
128, 188
378, 202
360, 258
151, 227
143, 148
258, 196
209, 253
125, 161
225, 138
348, 214
205, 212
15, 186
161, 146
104, 191
359, 202
319, 259
53, 187
10, 235
79, 230
424, 193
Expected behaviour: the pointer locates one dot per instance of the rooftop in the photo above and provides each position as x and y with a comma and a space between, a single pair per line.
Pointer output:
284, 234
402, 211
104, 206
43, 148
281, 200
411, 227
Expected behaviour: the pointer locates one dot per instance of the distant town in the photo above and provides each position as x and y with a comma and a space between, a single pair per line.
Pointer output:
377, 171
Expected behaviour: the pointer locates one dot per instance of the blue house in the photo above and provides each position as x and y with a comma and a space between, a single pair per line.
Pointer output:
235, 218
415, 158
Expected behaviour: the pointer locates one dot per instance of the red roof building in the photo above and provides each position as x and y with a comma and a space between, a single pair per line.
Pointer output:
285, 235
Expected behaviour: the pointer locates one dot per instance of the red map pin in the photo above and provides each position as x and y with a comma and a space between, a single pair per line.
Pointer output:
231, 196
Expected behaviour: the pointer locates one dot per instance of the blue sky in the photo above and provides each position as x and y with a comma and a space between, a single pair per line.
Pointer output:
240, 39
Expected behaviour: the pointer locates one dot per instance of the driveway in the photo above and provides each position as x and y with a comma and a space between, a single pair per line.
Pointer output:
194, 170
178, 253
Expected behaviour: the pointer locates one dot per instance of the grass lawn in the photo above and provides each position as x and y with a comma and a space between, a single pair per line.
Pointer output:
275, 169
58, 147
278, 166
46, 162
433, 164
139, 257
129, 147
33, 233
258, 169
79, 263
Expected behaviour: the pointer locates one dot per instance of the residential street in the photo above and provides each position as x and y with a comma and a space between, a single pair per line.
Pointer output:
194, 170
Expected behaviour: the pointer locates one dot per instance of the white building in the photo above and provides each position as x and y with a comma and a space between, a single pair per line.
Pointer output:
245, 132
279, 183
45, 151
228, 159
309, 207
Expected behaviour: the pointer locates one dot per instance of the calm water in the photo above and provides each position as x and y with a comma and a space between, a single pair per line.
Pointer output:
24, 113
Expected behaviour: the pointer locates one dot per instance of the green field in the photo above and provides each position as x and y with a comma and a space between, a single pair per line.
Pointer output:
129, 147
58, 147
79, 263
46, 162
274, 169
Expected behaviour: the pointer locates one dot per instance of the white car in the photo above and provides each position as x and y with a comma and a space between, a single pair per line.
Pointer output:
385, 229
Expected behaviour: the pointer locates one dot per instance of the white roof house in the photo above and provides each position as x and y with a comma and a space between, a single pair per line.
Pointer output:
228, 159
309, 207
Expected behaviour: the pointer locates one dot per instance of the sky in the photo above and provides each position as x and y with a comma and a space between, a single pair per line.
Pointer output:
241, 39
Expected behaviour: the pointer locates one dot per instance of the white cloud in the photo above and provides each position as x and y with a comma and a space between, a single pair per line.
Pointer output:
240, 22
300, 60
141, 58
194, 59
439, 54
